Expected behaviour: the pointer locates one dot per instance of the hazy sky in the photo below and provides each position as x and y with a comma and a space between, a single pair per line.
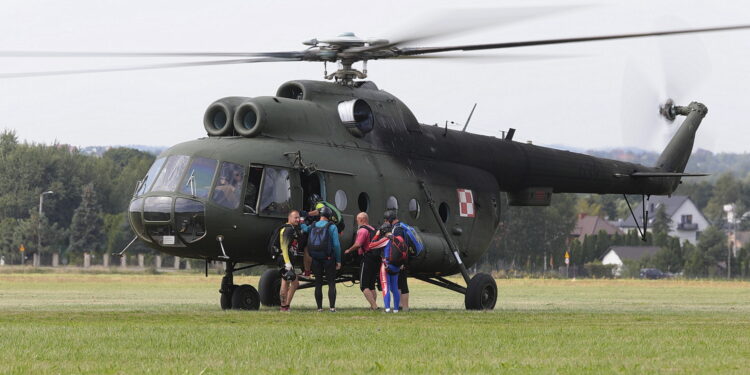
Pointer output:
593, 95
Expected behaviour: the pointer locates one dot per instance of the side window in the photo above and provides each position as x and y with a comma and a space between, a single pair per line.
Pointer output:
229, 187
197, 181
392, 203
275, 194
253, 185
340, 200
414, 208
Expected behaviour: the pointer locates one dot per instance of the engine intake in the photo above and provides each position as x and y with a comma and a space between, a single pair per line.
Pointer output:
249, 119
219, 116
357, 116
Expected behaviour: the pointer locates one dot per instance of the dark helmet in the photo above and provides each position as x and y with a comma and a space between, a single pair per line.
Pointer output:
326, 212
390, 215
314, 198
385, 228
289, 275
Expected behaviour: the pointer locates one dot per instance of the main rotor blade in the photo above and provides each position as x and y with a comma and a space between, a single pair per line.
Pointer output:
289, 54
141, 67
459, 21
487, 57
477, 47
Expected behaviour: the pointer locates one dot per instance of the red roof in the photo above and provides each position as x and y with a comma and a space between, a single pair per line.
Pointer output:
590, 225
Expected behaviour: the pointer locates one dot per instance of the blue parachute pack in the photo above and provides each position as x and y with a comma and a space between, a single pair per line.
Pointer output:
415, 245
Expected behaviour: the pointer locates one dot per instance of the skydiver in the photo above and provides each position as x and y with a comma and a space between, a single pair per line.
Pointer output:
288, 242
370, 260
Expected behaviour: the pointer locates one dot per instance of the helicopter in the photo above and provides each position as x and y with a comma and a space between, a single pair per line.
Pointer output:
219, 198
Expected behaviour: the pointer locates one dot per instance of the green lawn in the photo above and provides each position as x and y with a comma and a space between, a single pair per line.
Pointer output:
133, 324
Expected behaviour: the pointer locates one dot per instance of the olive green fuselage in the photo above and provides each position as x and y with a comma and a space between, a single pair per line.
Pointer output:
301, 131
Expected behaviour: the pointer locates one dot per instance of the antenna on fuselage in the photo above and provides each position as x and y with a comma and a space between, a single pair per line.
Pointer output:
469, 119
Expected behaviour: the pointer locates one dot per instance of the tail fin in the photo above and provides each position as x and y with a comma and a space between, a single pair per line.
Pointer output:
675, 156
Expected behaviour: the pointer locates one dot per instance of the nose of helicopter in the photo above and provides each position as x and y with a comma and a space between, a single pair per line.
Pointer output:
168, 221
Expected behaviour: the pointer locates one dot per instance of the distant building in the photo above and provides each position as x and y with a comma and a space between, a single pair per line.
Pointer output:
617, 255
588, 225
687, 221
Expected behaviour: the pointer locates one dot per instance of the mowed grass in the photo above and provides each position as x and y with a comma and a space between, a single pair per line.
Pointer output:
133, 324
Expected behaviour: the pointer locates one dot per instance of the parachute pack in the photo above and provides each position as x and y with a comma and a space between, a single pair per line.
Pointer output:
274, 246
398, 253
413, 243
319, 242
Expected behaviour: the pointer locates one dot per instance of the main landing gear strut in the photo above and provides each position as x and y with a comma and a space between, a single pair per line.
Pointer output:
480, 292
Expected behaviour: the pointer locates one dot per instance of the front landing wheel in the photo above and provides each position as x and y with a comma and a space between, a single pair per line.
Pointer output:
481, 293
245, 297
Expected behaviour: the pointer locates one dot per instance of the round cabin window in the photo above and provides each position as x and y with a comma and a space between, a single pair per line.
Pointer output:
444, 212
363, 202
340, 200
391, 203
414, 208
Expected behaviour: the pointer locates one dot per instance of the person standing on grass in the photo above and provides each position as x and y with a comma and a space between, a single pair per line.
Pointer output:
391, 217
325, 250
370, 259
289, 238
389, 271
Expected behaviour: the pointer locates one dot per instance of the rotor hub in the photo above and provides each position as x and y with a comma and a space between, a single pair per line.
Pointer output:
667, 110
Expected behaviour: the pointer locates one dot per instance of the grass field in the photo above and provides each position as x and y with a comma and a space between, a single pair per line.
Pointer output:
133, 324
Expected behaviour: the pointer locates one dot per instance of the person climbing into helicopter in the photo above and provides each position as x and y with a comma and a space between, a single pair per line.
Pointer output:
316, 203
369, 259
325, 250
289, 240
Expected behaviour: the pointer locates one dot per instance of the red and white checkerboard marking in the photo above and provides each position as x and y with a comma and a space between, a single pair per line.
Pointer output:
465, 203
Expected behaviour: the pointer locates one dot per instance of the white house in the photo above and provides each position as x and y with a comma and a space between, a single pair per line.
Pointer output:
618, 254
686, 220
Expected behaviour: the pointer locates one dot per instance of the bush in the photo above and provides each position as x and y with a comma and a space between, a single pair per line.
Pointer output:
600, 271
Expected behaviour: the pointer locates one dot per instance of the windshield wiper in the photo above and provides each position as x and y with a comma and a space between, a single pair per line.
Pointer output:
191, 181
140, 186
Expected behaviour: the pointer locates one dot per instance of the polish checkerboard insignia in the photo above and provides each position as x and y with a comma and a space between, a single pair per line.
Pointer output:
465, 203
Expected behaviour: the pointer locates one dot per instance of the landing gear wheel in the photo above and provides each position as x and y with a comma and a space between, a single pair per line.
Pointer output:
481, 293
226, 298
245, 297
270, 287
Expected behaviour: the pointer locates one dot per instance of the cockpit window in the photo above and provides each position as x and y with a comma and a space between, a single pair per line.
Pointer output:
229, 187
197, 180
276, 195
170, 176
150, 177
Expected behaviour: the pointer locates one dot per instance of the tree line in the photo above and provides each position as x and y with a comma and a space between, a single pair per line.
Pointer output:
86, 211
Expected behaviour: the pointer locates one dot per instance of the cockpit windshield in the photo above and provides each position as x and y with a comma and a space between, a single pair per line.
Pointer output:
170, 176
229, 187
197, 181
150, 177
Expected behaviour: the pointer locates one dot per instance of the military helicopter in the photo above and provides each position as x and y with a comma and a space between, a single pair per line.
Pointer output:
219, 198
